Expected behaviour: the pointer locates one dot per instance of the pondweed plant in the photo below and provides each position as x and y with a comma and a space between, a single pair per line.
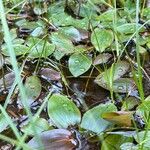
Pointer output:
88, 39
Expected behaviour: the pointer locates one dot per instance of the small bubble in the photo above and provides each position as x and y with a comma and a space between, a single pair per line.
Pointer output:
77, 61
120, 88
82, 69
120, 69
65, 105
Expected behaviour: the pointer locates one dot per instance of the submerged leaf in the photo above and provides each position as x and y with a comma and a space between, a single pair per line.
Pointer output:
124, 85
102, 58
63, 111
115, 72
93, 121
101, 39
79, 64
57, 139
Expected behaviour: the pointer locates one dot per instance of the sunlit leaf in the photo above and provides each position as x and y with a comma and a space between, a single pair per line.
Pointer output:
79, 64
63, 111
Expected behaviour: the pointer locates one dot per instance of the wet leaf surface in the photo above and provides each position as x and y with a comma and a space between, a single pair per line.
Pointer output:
94, 115
33, 87
84, 53
101, 39
63, 111
39, 126
115, 72
79, 64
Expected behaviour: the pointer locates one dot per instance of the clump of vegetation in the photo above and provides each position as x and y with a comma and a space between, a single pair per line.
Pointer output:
75, 74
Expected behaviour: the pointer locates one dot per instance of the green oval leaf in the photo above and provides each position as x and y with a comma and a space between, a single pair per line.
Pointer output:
63, 111
39, 48
79, 64
40, 125
128, 28
92, 119
33, 87
101, 39
116, 71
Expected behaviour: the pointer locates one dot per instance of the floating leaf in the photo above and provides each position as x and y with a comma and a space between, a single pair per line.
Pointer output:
39, 48
118, 70
79, 64
122, 118
93, 121
33, 87
40, 125
60, 139
101, 39
102, 58
63, 111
